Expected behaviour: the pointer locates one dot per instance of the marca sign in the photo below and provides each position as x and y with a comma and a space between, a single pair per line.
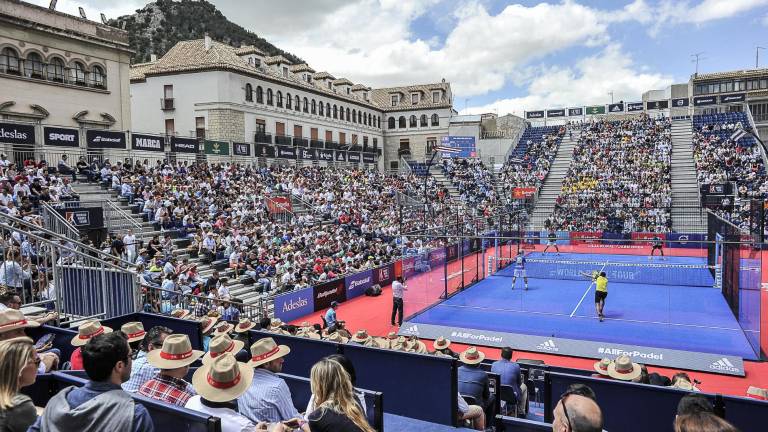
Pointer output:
357, 283
147, 142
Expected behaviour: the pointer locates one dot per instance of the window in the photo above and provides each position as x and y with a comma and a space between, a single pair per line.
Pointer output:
347, 115
170, 127
279, 99
365, 95
347, 90
394, 100
354, 116
335, 112
435, 120
414, 98
327, 110
168, 91
321, 107
401, 122
365, 142
314, 107
329, 85
261, 127
306, 105
423, 120
431, 144
9, 61
33, 67
199, 127
366, 119
259, 95
288, 101
341, 113
375, 143
763, 84
270, 101
56, 70
285, 71
248, 93
78, 73
342, 138
391, 123
412, 122
297, 103
98, 77
435, 96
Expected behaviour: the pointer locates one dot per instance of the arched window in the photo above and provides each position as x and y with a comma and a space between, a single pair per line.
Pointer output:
270, 101
56, 69
391, 123
378, 122
335, 111
364, 119
297, 103
248, 93
341, 113
306, 105
412, 122
370, 119
98, 77
33, 67
314, 106
423, 120
435, 120
279, 99
322, 108
9, 61
288, 101
347, 115
354, 116
78, 73
401, 122
259, 94
327, 110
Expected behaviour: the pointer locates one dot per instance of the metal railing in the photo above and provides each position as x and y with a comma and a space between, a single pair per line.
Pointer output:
38, 70
117, 219
160, 301
57, 223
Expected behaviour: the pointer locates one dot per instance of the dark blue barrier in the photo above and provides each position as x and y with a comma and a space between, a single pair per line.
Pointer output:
295, 304
301, 391
77, 284
149, 320
683, 240
304, 354
419, 386
748, 415
513, 424
616, 238
356, 284
62, 340
40, 390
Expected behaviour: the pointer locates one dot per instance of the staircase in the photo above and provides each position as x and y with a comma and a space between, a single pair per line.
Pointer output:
436, 171
550, 190
687, 216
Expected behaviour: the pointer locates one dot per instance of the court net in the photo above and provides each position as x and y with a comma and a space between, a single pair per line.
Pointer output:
617, 270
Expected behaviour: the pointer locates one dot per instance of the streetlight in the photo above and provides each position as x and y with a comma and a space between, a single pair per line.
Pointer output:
611, 93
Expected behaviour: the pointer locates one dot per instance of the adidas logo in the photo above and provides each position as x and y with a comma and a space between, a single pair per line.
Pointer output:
724, 365
414, 329
548, 345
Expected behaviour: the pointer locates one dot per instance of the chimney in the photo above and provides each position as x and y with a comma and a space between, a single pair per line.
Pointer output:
153, 57
207, 41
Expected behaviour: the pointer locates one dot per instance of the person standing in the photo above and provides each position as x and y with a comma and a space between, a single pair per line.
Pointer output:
601, 292
657, 245
398, 289
552, 241
520, 270
129, 241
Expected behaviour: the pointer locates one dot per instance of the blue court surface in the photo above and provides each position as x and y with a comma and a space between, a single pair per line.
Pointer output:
664, 315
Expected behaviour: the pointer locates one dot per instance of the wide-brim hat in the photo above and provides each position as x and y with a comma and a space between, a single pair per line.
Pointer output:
602, 366
223, 328
207, 323
265, 350
336, 337
441, 343
381, 342
134, 331
624, 369
472, 356
87, 331
244, 325
683, 384
220, 345
275, 323
176, 352
417, 346
361, 336
12, 319
308, 333
757, 393
180, 313
223, 379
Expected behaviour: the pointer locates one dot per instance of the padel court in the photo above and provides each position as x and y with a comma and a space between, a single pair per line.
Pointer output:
670, 304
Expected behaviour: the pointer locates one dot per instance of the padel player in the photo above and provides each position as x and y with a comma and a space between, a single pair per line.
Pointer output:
520, 270
657, 244
552, 241
601, 292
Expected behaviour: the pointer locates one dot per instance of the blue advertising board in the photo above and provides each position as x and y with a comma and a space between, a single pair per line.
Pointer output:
684, 240
357, 283
296, 304
465, 144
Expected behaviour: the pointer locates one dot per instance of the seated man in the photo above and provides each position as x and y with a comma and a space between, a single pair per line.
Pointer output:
509, 372
331, 320
474, 382
577, 413
173, 361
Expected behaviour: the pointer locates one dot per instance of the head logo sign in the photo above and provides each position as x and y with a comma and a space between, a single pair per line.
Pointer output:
294, 304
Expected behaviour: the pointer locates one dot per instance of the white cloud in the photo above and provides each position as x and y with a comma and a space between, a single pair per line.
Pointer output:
588, 82
671, 12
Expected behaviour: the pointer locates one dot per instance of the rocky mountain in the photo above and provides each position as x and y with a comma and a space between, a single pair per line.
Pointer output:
157, 27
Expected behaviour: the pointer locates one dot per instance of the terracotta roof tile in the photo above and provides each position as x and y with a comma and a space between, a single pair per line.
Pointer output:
301, 68
248, 49
276, 59
342, 81
382, 97
323, 75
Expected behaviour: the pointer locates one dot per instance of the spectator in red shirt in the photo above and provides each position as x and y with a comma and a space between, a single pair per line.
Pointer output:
87, 331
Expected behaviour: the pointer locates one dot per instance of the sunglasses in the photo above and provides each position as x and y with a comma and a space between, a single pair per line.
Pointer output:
563, 398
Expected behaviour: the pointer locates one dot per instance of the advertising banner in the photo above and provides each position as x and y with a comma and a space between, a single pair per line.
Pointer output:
147, 142
353, 157
534, 114
572, 112
731, 98
241, 149
286, 152
95, 138
340, 156
646, 236
436, 258
465, 144
451, 252
219, 148
279, 204
531, 237
85, 218
14, 133
634, 106
584, 237
523, 192
615, 239
357, 283
616, 107
325, 155
61, 137
704, 100
185, 145
369, 158
683, 240
265, 151
658, 105
596, 109
307, 153
555, 113
408, 267
384, 275
680, 103
328, 292
296, 304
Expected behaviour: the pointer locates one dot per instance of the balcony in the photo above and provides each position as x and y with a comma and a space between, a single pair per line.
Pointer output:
316, 143
52, 72
262, 138
300, 142
283, 140
166, 104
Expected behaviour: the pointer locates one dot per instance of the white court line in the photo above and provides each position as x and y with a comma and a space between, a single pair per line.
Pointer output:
589, 288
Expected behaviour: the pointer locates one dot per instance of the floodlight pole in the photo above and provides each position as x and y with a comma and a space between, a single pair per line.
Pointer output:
426, 200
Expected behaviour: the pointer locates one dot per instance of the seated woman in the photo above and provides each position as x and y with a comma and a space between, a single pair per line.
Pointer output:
19, 362
337, 408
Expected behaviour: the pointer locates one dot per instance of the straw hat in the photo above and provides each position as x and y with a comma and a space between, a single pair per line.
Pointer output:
265, 350
223, 328
624, 369
12, 319
757, 393
244, 325
336, 337
381, 342
441, 343
134, 331
88, 330
223, 379
180, 313
602, 366
207, 323
220, 345
275, 323
472, 356
361, 337
176, 352
401, 344
417, 346
308, 333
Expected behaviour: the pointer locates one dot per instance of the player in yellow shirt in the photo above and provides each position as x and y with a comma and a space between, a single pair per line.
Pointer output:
601, 292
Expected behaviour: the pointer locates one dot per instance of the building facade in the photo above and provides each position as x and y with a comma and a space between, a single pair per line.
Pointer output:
62, 70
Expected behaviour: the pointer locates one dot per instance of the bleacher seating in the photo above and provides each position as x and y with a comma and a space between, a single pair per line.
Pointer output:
531, 160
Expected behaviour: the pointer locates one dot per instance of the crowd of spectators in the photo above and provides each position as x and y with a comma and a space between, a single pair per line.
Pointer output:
619, 179
532, 168
474, 181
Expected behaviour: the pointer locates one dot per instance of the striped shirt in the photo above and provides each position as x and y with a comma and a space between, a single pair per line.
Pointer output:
168, 389
268, 399
141, 372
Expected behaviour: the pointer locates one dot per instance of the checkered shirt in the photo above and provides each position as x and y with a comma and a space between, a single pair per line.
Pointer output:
168, 389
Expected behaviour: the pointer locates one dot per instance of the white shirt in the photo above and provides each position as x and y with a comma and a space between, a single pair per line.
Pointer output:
231, 421
130, 242
397, 289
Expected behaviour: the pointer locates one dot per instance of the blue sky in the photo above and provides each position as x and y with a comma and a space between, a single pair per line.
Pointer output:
504, 56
